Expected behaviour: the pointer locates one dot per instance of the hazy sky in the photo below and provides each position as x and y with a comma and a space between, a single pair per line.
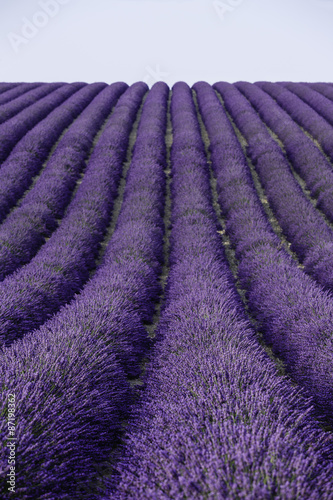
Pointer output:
170, 40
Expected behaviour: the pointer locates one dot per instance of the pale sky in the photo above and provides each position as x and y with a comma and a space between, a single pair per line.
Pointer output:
169, 40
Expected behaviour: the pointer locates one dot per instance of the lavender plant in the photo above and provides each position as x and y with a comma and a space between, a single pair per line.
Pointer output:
14, 129
305, 157
22, 102
37, 290
6, 87
25, 229
310, 237
301, 112
323, 88
293, 312
27, 158
75, 362
17, 90
215, 419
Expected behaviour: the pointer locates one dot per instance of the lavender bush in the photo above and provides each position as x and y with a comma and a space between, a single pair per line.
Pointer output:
17, 105
17, 91
294, 313
301, 112
215, 420
26, 227
14, 129
310, 237
314, 103
37, 290
323, 88
103, 329
6, 87
159, 337
28, 156
304, 156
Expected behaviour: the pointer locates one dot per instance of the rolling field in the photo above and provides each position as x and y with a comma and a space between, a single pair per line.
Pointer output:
166, 291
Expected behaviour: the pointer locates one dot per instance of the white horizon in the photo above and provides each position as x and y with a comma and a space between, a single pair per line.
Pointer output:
169, 40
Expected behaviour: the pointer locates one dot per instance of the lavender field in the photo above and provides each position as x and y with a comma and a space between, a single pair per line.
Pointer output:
166, 291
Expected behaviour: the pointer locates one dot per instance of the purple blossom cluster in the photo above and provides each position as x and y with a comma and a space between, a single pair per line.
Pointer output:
71, 370
310, 237
28, 156
36, 291
305, 157
314, 103
323, 88
215, 419
26, 227
16, 127
6, 87
17, 105
293, 312
17, 91
160, 341
306, 109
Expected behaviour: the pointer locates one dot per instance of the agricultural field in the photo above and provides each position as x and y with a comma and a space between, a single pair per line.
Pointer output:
166, 291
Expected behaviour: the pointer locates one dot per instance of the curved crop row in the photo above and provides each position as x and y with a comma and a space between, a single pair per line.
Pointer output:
17, 91
5, 87
24, 230
127, 279
294, 313
14, 129
215, 420
26, 160
36, 291
303, 114
314, 103
311, 238
323, 88
305, 157
22, 102
80, 394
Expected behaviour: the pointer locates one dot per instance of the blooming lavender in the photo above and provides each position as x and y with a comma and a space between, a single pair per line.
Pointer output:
323, 88
160, 338
28, 156
7, 87
215, 420
13, 95
63, 263
293, 312
17, 127
15, 106
26, 227
303, 113
76, 361
310, 236
307, 160
314, 103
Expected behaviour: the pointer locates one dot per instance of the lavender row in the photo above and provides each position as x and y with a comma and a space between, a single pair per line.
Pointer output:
215, 420
292, 311
5, 87
305, 157
323, 88
311, 238
26, 227
27, 158
16, 92
19, 104
303, 114
14, 129
80, 394
36, 291
314, 103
